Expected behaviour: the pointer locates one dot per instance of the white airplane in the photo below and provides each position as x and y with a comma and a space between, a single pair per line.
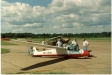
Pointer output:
58, 51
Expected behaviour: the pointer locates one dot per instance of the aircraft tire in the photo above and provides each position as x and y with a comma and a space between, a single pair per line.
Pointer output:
86, 57
32, 55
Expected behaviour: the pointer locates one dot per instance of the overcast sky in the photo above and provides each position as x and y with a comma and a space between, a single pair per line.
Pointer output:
55, 16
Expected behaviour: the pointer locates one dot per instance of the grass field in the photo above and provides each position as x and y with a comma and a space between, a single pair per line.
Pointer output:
100, 39
40, 73
39, 40
4, 50
101, 48
6, 43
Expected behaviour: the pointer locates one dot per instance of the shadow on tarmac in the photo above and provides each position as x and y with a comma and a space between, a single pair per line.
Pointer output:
45, 63
41, 64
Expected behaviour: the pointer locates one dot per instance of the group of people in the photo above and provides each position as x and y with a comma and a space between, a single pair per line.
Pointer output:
75, 44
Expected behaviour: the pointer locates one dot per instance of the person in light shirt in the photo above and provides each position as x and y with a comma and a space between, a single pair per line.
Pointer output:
44, 42
75, 44
85, 44
59, 43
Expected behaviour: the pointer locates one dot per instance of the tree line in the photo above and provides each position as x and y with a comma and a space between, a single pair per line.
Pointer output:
47, 35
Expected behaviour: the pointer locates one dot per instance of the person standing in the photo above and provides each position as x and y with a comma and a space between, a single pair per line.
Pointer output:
44, 42
85, 44
59, 43
75, 44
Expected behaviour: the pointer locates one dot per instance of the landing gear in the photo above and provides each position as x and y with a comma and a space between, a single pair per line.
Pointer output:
86, 57
89, 50
92, 56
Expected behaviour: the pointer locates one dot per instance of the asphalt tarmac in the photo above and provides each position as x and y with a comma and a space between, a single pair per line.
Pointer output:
18, 60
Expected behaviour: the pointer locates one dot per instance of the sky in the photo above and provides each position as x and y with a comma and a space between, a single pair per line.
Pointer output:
55, 16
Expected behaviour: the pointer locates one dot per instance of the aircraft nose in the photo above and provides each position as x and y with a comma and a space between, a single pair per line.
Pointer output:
86, 53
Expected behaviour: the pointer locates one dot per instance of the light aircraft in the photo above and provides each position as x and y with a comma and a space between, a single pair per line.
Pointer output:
53, 41
67, 51
49, 50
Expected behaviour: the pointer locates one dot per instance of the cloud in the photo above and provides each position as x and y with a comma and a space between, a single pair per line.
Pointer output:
66, 18
21, 13
65, 14
34, 25
72, 25
56, 27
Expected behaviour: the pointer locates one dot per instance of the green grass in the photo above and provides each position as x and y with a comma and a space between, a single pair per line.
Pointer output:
39, 40
6, 43
94, 39
40, 73
100, 39
4, 50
